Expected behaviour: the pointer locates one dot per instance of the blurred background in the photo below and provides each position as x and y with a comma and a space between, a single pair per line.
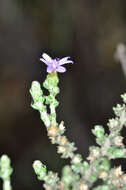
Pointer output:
88, 31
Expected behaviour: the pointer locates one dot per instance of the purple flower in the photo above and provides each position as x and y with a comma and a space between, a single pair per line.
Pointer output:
55, 64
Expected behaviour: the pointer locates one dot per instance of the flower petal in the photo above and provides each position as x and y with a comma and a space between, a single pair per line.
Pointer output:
65, 58
47, 57
60, 69
49, 69
65, 61
43, 60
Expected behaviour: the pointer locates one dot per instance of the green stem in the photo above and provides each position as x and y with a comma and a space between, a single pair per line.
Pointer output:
45, 118
53, 113
5, 172
7, 184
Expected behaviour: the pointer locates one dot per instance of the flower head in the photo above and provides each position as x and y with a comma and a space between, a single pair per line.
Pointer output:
55, 64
